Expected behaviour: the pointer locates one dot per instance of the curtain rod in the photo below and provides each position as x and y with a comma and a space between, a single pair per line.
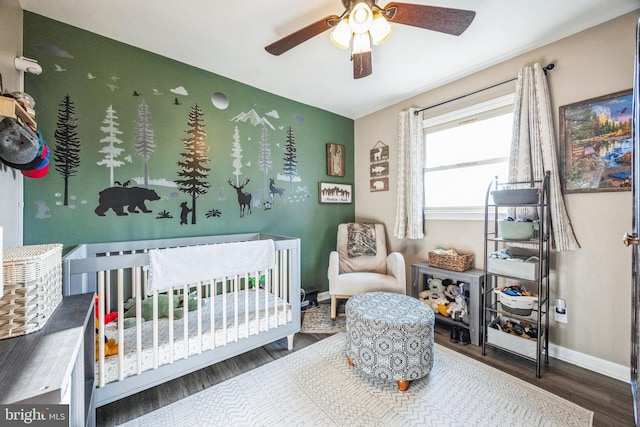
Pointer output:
545, 69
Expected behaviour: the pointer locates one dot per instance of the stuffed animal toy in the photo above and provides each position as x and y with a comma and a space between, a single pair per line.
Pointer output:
434, 294
452, 291
458, 309
424, 296
443, 309
110, 345
108, 317
146, 307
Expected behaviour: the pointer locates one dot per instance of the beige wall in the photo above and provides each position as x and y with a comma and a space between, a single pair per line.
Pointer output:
595, 280
10, 179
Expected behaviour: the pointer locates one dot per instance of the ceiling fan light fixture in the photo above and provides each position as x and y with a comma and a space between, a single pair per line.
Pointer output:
360, 18
361, 43
380, 29
341, 34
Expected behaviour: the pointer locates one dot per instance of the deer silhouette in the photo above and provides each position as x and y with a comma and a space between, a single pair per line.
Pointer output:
244, 199
275, 190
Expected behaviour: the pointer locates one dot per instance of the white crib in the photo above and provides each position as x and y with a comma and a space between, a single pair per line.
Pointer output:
229, 316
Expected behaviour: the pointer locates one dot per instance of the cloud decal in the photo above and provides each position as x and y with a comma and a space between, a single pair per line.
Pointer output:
180, 90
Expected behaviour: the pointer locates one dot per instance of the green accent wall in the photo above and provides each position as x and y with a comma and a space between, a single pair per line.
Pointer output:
126, 105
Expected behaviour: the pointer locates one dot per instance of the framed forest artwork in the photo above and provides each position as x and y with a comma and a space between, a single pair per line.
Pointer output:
331, 192
596, 144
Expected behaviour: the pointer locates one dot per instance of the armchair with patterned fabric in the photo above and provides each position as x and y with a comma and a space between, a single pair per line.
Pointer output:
361, 264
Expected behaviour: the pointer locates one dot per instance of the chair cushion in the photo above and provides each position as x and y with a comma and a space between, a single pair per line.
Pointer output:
357, 283
377, 263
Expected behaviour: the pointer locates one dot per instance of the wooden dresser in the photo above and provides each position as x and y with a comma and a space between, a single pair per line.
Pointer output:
54, 365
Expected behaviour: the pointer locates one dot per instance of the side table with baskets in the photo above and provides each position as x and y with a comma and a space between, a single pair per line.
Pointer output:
458, 268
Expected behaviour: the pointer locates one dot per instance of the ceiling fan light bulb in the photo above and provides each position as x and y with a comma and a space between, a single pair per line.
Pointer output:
361, 43
360, 18
341, 34
380, 29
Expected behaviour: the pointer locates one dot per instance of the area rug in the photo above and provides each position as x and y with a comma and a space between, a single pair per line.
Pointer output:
317, 320
316, 387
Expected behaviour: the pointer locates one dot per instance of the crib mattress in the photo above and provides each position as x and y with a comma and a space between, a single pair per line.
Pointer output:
271, 313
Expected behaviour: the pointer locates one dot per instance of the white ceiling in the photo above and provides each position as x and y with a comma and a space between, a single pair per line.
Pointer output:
228, 38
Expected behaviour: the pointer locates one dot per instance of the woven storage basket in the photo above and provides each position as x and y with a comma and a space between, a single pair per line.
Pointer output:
32, 288
460, 262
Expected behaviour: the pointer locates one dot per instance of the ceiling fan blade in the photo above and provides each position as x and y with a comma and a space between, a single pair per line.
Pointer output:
361, 65
294, 39
441, 19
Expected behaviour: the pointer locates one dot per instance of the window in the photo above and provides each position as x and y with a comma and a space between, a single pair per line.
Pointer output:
464, 151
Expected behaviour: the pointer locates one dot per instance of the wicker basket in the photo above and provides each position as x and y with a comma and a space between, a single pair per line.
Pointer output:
460, 262
32, 288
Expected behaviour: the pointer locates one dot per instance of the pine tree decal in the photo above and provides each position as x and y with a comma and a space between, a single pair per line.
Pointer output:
290, 157
145, 146
236, 154
192, 168
264, 158
67, 150
110, 150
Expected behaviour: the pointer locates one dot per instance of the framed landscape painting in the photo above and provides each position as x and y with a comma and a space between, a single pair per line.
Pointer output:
596, 145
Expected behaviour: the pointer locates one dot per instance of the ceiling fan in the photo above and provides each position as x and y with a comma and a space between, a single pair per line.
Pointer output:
364, 22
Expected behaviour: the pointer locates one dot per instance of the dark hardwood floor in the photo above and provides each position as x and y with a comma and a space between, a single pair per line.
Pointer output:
609, 399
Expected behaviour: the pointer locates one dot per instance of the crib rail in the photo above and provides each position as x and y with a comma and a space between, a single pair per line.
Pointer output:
208, 314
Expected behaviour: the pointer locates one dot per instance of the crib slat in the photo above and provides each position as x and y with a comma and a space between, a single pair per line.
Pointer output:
225, 323
155, 329
212, 311
172, 348
138, 298
236, 325
257, 302
121, 343
185, 321
100, 340
199, 316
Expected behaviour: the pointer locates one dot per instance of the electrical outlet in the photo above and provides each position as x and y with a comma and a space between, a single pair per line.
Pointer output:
561, 317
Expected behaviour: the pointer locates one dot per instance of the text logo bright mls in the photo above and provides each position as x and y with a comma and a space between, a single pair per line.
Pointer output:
34, 415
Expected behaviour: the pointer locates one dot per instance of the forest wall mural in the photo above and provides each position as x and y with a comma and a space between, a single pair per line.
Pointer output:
145, 147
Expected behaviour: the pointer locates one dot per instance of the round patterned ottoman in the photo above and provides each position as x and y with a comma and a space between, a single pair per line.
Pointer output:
390, 336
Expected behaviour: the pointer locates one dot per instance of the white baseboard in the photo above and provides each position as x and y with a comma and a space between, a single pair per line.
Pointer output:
600, 366
324, 296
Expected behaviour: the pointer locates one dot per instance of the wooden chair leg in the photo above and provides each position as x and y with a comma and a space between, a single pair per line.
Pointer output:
350, 362
334, 307
403, 385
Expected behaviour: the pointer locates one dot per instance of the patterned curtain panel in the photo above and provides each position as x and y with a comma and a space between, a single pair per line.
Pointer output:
409, 202
533, 148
